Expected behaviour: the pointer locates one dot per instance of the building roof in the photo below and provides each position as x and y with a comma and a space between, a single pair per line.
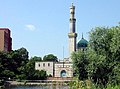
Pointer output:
4, 29
82, 43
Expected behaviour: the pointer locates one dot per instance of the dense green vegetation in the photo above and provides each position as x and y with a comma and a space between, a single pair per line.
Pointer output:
87, 84
96, 67
16, 65
50, 57
100, 63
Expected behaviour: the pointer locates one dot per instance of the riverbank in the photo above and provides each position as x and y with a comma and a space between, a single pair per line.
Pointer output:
48, 81
39, 82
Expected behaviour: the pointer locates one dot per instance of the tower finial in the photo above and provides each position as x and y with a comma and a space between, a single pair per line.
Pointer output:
72, 4
82, 35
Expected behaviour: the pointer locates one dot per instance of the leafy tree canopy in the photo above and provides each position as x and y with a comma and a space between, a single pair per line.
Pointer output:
35, 58
102, 56
50, 57
80, 63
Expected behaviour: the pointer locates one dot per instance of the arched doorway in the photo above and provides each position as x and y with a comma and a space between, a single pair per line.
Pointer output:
63, 73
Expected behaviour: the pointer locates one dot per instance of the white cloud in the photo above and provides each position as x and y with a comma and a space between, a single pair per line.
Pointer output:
30, 27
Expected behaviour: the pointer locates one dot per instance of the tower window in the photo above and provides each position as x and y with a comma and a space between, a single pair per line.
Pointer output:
39, 65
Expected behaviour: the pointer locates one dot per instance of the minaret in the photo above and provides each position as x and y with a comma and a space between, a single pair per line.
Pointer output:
72, 35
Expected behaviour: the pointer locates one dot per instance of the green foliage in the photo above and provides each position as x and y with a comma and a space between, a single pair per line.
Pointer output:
109, 86
80, 62
40, 75
82, 85
21, 77
50, 57
23, 53
49, 75
87, 84
28, 70
8, 73
6, 69
35, 58
15, 64
1, 83
102, 56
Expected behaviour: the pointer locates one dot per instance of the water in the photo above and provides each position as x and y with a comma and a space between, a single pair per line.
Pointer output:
38, 87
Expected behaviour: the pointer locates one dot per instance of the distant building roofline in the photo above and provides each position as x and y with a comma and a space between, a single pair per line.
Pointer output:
4, 28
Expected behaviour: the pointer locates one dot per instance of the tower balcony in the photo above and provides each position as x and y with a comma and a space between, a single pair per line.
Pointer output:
72, 35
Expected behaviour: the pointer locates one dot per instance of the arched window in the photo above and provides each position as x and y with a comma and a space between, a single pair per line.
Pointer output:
63, 73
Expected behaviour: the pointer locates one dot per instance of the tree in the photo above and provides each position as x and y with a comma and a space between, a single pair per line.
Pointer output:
40, 75
50, 57
6, 69
35, 58
103, 55
12, 62
8, 73
29, 70
23, 54
20, 59
15, 64
80, 62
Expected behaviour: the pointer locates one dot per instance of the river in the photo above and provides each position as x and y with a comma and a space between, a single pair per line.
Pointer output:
38, 87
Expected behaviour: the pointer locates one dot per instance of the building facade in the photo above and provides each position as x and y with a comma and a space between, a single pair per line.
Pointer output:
47, 66
5, 40
55, 69
63, 69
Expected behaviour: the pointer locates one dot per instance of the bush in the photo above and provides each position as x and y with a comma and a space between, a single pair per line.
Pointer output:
1, 82
87, 84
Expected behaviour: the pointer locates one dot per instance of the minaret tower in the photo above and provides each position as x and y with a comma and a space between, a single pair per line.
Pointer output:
72, 34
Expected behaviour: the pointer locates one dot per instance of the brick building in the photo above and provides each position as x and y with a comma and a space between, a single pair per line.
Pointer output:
5, 40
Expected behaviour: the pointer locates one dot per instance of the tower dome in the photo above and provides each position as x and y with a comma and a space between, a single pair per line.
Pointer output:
82, 43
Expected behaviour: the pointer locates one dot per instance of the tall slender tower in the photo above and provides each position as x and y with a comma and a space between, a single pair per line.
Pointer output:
72, 34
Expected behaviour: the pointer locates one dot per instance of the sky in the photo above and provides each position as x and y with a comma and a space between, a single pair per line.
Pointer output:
42, 26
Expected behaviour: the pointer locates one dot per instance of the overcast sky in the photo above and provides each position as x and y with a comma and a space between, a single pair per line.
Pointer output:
42, 26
